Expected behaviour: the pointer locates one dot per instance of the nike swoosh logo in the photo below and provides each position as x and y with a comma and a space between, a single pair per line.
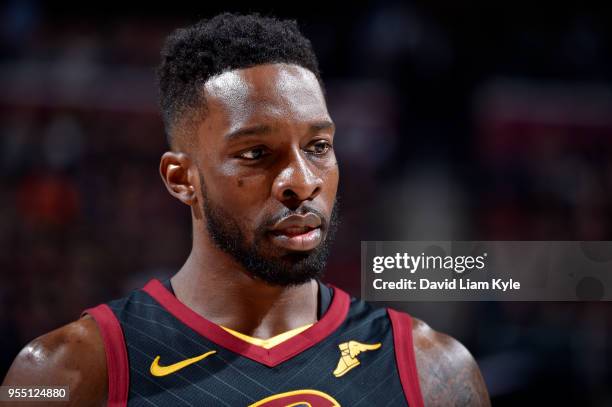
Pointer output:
157, 370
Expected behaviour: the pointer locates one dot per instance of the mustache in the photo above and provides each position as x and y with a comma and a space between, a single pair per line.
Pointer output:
302, 210
285, 212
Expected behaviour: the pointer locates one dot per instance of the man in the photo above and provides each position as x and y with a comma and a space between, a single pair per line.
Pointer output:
246, 321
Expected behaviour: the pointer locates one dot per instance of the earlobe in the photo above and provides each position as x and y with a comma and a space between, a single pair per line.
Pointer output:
175, 170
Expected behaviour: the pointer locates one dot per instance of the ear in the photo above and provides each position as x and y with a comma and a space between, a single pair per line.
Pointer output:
180, 176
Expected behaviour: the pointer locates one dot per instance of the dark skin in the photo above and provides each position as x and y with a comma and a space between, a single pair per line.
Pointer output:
265, 143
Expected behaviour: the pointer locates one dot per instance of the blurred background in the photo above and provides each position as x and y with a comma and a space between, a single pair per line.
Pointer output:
455, 121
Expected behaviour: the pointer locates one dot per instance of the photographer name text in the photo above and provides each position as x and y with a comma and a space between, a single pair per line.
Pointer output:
496, 284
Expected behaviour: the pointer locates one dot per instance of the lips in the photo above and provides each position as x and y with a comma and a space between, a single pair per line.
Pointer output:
292, 231
297, 232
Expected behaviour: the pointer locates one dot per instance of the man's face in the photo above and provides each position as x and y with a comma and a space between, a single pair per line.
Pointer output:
268, 172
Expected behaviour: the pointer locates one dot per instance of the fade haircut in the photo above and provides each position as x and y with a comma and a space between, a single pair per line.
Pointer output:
192, 55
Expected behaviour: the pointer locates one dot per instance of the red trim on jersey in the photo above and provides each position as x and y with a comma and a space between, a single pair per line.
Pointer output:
331, 320
116, 354
404, 356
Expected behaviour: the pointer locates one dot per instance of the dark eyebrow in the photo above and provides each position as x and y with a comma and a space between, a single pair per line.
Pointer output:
262, 129
248, 131
322, 125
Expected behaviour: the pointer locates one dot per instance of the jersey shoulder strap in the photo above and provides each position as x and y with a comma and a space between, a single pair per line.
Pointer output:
117, 367
401, 324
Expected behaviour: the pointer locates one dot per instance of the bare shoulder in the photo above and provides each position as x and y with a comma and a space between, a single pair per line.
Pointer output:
72, 355
448, 374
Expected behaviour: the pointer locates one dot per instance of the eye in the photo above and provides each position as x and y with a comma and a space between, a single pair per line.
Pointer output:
320, 147
253, 154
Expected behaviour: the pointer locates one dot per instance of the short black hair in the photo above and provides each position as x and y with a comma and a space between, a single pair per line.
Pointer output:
191, 55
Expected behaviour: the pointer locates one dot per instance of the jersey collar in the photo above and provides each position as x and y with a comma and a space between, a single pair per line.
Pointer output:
330, 321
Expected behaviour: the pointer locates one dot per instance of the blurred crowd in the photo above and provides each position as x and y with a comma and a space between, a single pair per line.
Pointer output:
469, 123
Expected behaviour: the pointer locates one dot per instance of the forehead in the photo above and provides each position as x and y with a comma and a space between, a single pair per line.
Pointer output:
264, 93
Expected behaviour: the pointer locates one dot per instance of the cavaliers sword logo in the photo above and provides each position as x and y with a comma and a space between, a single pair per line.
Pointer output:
306, 397
348, 355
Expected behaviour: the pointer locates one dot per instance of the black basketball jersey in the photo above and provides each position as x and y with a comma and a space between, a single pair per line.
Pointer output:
159, 352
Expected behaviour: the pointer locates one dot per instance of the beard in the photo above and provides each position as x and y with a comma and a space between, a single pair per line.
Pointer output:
275, 268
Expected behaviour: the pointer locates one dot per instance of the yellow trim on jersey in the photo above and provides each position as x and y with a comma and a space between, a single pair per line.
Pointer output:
270, 342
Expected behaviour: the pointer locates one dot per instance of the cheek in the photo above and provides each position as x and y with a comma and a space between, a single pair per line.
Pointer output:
331, 176
243, 196
234, 185
249, 189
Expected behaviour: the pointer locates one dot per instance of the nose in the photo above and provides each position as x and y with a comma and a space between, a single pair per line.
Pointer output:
296, 182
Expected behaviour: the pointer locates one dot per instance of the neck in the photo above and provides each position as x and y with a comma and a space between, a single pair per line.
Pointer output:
215, 286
